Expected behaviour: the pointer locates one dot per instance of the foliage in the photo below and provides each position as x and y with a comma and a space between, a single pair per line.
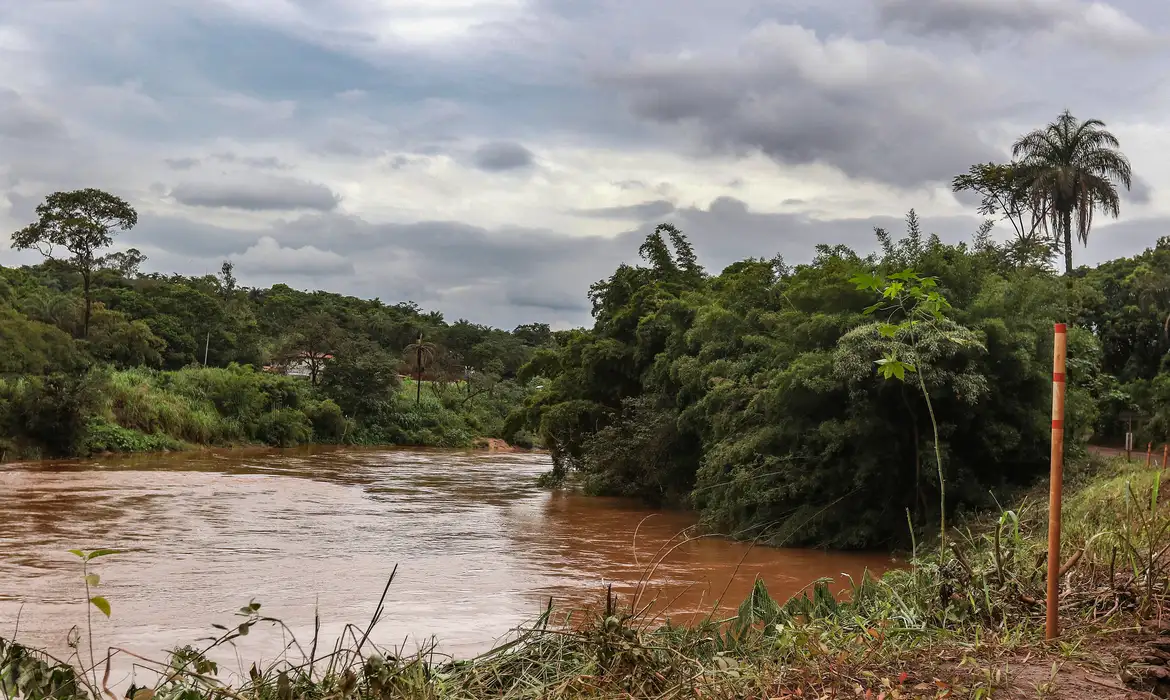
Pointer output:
83, 223
130, 323
284, 427
1072, 168
751, 394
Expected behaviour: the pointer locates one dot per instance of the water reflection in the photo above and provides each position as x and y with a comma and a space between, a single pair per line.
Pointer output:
478, 547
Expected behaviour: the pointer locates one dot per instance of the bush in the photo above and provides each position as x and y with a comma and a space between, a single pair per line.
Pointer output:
102, 436
286, 427
51, 412
329, 423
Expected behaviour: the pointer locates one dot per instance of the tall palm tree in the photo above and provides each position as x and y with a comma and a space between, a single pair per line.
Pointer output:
424, 354
1072, 168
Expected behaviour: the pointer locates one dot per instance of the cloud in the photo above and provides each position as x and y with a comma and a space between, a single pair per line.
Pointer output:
181, 163
645, 210
267, 258
20, 119
1140, 191
259, 194
982, 21
801, 100
823, 119
500, 156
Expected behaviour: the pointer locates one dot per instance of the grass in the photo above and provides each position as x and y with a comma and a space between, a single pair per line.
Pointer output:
966, 621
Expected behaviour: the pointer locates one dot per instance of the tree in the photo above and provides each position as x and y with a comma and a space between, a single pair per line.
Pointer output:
423, 353
360, 378
82, 222
227, 280
535, 335
1072, 169
919, 309
125, 263
314, 342
1006, 194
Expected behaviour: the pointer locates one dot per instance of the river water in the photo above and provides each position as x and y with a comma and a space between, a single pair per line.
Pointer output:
479, 548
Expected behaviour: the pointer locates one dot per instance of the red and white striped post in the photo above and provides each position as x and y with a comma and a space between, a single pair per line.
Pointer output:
1056, 478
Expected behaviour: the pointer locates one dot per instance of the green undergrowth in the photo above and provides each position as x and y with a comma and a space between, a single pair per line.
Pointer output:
144, 410
950, 623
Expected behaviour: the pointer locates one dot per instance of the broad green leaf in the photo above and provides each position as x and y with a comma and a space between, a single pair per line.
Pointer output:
100, 553
92, 580
866, 281
101, 604
872, 308
243, 629
144, 694
78, 553
888, 330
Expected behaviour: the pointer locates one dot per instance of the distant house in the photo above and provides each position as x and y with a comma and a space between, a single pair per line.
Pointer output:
301, 365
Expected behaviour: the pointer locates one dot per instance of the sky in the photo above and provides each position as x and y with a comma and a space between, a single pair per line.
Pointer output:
491, 159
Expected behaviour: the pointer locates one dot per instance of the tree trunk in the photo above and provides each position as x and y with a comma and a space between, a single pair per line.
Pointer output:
1066, 224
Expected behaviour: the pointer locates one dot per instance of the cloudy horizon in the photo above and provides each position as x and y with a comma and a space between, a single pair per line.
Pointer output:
490, 159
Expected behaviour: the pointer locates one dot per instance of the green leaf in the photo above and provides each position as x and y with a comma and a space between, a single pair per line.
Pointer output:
101, 604
77, 552
100, 553
144, 694
888, 330
905, 275
243, 629
872, 308
92, 580
866, 281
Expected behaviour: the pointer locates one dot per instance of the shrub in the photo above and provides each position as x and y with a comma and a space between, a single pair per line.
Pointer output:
286, 427
51, 412
329, 423
102, 436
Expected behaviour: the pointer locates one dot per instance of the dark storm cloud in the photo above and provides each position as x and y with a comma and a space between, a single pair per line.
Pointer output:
973, 17
645, 210
265, 194
500, 156
982, 21
874, 111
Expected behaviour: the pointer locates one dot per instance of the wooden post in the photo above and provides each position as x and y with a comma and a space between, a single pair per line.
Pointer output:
1165, 455
1056, 478
1129, 440
1149, 453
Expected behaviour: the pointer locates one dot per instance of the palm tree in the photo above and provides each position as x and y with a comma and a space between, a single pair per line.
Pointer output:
1072, 168
424, 354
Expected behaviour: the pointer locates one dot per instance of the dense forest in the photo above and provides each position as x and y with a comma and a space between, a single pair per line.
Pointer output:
99, 356
829, 403
823, 403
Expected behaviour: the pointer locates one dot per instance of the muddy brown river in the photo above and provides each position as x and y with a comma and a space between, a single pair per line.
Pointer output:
479, 549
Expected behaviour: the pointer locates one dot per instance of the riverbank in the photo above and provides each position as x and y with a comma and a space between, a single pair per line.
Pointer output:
962, 622
141, 410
